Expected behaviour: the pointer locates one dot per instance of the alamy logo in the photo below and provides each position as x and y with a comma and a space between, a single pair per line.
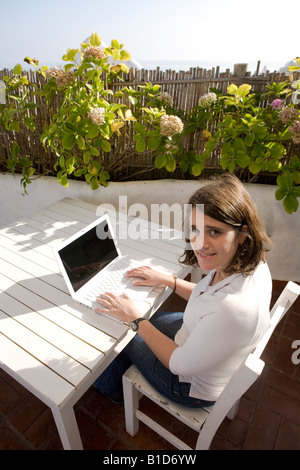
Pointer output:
161, 222
296, 354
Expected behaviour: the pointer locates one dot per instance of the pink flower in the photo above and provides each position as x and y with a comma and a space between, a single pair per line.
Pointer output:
288, 114
277, 104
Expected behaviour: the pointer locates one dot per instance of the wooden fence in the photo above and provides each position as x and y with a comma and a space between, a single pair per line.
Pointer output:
123, 162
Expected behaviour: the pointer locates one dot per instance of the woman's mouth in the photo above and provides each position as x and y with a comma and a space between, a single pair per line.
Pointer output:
205, 255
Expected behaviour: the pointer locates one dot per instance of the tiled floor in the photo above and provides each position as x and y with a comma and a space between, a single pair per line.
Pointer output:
268, 416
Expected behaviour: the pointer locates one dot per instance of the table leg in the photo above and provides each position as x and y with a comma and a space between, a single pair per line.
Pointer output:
67, 427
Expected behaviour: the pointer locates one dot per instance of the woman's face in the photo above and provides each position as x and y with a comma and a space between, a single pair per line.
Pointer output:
214, 243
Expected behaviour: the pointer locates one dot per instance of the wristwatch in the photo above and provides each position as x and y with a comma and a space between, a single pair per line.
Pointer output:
134, 325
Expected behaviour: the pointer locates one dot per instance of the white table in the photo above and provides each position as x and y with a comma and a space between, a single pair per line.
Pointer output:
51, 345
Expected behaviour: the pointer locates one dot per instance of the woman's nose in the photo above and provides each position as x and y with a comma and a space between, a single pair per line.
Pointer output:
200, 241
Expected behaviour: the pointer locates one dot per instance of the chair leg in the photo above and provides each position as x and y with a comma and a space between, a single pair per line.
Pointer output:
131, 405
233, 411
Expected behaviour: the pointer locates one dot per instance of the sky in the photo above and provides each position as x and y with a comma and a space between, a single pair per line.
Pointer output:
212, 31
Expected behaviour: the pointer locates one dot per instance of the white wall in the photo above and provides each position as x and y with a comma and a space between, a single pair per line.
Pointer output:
283, 228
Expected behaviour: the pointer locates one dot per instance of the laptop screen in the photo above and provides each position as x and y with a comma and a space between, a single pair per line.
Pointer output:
84, 257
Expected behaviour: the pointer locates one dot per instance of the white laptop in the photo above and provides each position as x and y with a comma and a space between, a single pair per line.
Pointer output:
91, 264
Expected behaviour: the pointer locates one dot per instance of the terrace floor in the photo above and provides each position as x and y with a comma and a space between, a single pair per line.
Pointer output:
268, 416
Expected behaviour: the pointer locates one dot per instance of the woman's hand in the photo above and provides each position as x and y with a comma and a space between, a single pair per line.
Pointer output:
149, 277
122, 308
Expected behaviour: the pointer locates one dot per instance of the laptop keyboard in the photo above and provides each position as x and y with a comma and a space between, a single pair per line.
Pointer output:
116, 282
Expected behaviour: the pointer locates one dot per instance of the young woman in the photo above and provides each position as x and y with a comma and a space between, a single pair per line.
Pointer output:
189, 357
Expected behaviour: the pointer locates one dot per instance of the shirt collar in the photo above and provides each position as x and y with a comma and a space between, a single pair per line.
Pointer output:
204, 284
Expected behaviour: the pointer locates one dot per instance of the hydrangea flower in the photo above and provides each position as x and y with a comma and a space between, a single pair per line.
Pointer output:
207, 100
295, 131
170, 125
93, 52
205, 135
166, 97
277, 103
287, 114
62, 78
296, 85
52, 72
97, 116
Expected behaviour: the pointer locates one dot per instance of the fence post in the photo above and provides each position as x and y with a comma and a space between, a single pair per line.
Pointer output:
240, 70
2, 92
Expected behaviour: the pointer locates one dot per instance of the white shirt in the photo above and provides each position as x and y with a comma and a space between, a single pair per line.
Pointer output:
221, 325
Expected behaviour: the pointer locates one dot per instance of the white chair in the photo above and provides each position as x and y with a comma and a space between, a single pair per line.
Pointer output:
204, 421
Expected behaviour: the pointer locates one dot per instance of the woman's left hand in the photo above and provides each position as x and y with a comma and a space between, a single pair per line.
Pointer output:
122, 308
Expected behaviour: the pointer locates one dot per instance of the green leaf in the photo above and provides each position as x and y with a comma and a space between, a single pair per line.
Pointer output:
15, 150
104, 176
14, 126
18, 69
249, 139
279, 194
29, 122
242, 159
94, 168
125, 55
62, 162
68, 141
232, 89
231, 166
87, 157
285, 182
290, 203
254, 168
160, 161
171, 165
95, 40
62, 179
80, 142
141, 146
115, 54
154, 142
92, 130
105, 145
94, 183
70, 165
197, 169
25, 162
10, 165
139, 128
95, 152
30, 172
115, 43
79, 172
243, 90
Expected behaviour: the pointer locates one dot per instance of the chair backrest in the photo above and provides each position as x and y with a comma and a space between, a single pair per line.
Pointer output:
253, 366
281, 306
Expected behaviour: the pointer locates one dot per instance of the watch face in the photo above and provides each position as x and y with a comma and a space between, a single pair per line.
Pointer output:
133, 326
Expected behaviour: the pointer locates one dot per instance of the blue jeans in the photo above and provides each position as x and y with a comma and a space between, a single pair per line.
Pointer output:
159, 376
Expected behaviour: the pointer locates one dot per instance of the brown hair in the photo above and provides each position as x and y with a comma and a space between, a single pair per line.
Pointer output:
226, 200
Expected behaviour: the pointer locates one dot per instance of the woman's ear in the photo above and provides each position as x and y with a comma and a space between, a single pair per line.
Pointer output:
243, 234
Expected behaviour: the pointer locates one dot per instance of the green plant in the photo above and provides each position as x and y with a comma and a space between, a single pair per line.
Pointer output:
255, 138
88, 117
154, 130
17, 111
249, 132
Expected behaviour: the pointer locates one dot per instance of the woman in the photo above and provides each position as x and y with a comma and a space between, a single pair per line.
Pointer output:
189, 357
